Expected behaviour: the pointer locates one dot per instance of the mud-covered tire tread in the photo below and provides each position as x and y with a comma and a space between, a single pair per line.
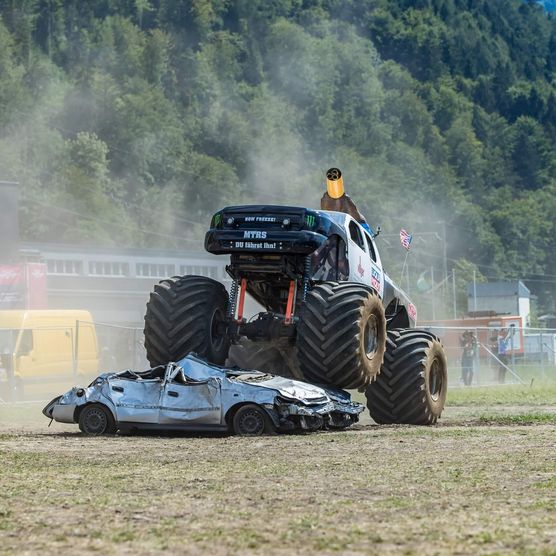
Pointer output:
176, 319
398, 395
328, 335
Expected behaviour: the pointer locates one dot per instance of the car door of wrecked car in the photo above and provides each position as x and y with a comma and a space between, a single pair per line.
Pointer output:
136, 401
189, 402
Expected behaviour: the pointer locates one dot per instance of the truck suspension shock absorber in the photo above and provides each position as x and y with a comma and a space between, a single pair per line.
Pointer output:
306, 272
232, 299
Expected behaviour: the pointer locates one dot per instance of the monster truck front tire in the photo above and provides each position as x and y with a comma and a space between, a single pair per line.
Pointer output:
411, 387
341, 336
186, 314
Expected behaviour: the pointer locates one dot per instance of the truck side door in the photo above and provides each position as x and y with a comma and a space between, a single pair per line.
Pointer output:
377, 276
359, 260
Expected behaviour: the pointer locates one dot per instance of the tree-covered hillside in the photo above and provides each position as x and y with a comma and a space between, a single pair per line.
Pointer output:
128, 122
549, 5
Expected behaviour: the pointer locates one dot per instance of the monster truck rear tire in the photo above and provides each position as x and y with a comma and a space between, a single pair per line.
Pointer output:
186, 314
341, 335
411, 387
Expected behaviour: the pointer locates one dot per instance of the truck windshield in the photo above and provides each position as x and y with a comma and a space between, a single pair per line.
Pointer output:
329, 261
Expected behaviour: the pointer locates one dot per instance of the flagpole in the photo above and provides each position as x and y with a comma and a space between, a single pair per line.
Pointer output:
403, 267
405, 238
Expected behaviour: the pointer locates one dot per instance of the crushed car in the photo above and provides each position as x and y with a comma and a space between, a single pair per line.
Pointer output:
193, 395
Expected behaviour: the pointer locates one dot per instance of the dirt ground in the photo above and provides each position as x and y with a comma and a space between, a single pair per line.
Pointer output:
482, 482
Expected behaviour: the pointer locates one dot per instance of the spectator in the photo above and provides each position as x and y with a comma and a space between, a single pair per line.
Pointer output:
502, 343
468, 343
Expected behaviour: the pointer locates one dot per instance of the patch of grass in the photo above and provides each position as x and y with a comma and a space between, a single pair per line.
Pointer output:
550, 484
532, 418
484, 537
341, 543
395, 502
124, 535
249, 538
538, 394
548, 505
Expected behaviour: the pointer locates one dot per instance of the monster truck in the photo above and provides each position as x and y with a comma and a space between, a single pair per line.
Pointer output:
332, 315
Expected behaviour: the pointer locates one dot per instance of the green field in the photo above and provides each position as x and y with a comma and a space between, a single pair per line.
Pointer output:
481, 482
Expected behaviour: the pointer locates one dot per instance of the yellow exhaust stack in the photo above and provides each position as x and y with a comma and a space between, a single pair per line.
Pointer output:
336, 197
334, 183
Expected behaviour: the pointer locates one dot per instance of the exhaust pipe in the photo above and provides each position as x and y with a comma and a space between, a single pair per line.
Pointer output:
334, 183
338, 200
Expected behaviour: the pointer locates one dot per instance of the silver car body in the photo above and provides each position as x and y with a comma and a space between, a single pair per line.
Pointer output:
195, 395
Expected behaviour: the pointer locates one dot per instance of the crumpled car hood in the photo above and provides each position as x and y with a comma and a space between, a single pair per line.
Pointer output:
302, 391
293, 389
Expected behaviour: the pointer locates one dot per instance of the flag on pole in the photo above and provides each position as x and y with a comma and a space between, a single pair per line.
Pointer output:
405, 238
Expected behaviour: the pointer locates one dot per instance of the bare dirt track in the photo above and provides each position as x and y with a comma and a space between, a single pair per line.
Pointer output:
468, 486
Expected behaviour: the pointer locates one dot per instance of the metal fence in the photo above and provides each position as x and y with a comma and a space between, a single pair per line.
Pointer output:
36, 363
488, 355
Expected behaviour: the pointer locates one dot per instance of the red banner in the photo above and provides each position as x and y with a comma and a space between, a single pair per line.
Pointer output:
36, 286
23, 286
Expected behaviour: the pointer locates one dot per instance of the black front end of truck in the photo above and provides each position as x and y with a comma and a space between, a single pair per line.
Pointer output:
276, 251
266, 229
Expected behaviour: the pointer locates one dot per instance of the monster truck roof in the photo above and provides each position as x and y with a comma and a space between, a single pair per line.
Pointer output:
263, 214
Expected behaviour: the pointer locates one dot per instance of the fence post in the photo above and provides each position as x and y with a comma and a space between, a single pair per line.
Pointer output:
76, 351
512, 332
478, 357
135, 358
542, 358
11, 375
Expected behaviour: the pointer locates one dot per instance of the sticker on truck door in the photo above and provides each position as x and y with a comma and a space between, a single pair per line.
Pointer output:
375, 279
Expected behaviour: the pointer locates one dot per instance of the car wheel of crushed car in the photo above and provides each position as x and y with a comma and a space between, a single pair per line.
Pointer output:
251, 420
341, 335
186, 314
95, 419
411, 387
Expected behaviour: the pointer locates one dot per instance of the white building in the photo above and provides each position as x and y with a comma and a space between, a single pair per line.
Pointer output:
500, 298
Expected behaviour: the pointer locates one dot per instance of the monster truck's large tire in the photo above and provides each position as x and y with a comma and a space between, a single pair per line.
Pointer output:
411, 387
186, 314
341, 336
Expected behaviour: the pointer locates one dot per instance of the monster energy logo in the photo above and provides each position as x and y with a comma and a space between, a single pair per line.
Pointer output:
310, 220
217, 219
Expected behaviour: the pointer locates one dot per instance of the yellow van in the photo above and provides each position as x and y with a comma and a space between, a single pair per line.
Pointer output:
46, 347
